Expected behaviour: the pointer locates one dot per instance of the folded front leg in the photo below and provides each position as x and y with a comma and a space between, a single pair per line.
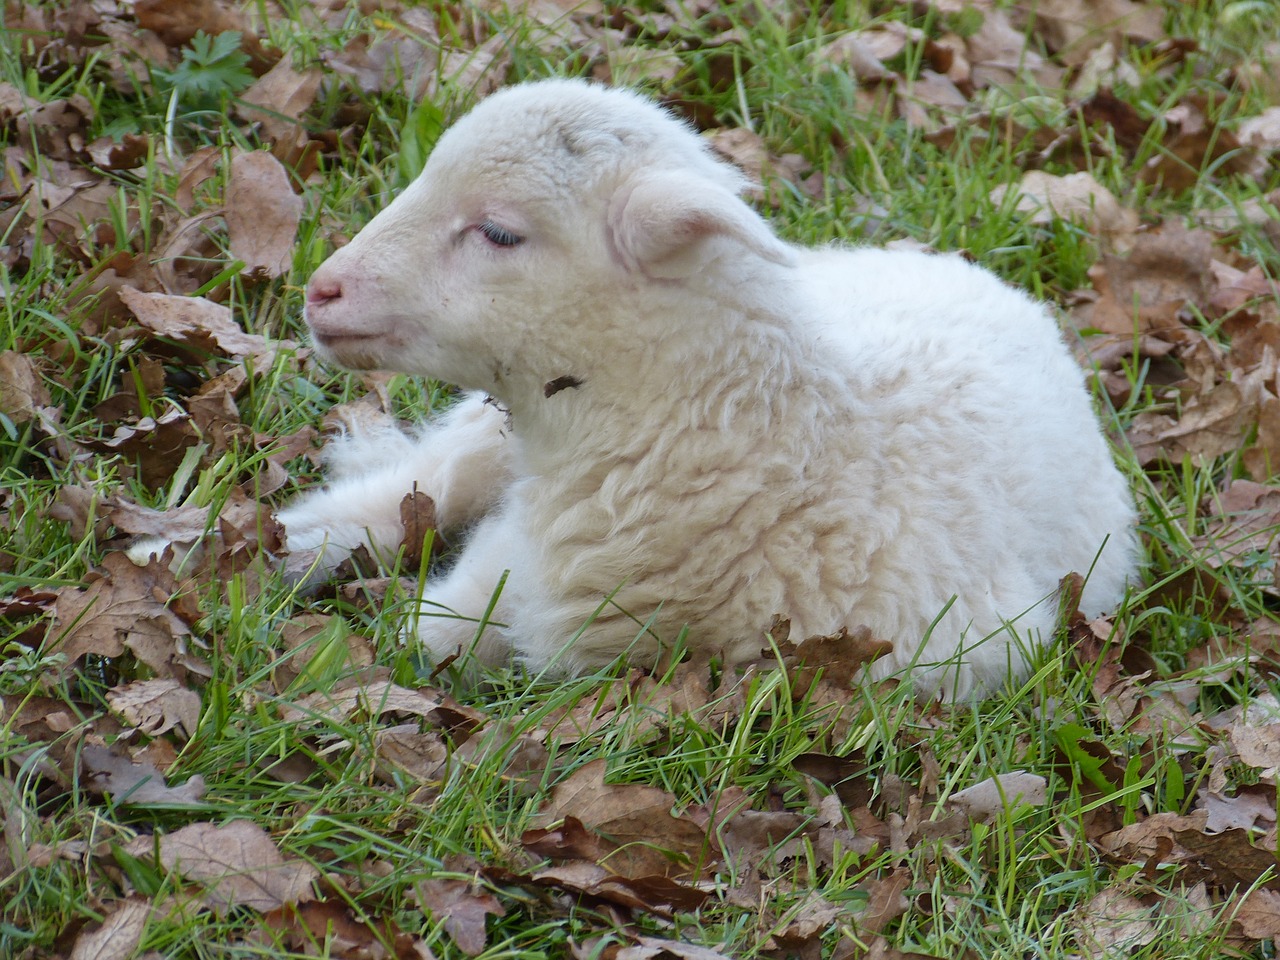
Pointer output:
462, 461
469, 608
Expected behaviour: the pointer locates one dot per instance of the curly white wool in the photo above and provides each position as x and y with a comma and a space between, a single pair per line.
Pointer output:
707, 427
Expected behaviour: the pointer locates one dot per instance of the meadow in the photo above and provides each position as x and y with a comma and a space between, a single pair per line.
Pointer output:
214, 762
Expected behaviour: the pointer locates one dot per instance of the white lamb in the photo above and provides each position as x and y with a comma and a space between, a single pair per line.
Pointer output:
697, 425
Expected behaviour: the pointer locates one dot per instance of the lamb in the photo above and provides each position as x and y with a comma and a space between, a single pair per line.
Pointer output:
676, 421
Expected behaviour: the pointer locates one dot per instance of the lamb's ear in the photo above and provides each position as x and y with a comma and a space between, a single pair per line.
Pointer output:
667, 224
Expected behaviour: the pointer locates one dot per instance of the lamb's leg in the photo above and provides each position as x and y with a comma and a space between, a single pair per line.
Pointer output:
462, 461
468, 609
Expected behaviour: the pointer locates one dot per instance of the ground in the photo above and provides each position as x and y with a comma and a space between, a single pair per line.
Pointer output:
218, 763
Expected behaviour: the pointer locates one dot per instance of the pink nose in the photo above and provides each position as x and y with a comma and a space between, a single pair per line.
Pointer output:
321, 291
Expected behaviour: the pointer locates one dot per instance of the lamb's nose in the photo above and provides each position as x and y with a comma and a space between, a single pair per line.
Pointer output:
321, 291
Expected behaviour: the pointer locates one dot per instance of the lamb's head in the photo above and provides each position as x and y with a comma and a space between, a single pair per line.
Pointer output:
540, 220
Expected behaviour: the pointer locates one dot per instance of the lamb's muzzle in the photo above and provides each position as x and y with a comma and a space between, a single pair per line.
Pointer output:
843, 437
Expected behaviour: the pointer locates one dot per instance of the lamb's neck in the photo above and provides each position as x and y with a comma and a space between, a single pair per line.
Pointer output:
750, 375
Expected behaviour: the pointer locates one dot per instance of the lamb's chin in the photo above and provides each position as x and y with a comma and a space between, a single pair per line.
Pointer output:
353, 352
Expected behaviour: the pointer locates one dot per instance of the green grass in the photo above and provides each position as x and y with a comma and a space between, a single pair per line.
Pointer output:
1020, 886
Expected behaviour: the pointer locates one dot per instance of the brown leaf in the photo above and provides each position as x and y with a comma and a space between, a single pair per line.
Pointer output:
119, 934
1258, 746
180, 524
806, 921
569, 840
177, 21
248, 536
636, 820
156, 444
1191, 144
1253, 807
1165, 270
301, 927
1263, 131
839, 658
404, 749
282, 94
129, 782
58, 127
848, 775
1000, 56
123, 607
131, 151
1231, 857
157, 706
202, 324
658, 895
1003, 793
1114, 922
654, 948
1075, 27
1077, 197
22, 389
641, 702
1242, 522
887, 900
262, 214
463, 905
418, 517
379, 697
852, 52
237, 864
199, 168
215, 415
1258, 915
1212, 424
147, 383
1243, 299
26, 602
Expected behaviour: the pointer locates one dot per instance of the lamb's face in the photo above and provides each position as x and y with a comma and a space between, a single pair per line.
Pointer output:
538, 219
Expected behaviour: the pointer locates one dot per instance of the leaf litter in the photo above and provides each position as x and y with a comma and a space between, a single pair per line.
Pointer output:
1188, 304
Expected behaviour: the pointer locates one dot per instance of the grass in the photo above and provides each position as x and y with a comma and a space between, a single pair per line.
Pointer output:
1023, 885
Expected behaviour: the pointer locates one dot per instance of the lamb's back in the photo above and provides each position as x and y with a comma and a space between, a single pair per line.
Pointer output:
922, 434
1001, 470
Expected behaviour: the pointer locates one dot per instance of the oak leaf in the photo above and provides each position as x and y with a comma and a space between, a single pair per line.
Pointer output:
237, 865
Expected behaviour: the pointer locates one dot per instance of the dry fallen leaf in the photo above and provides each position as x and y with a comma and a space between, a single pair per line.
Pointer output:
643, 836
130, 782
1002, 793
1263, 131
1078, 197
379, 697
201, 323
463, 906
1259, 914
330, 929
21, 388
123, 607
1165, 270
262, 214
119, 934
1114, 923
237, 865
278, 99
1075, 27
838, 658
157, 706
653, 948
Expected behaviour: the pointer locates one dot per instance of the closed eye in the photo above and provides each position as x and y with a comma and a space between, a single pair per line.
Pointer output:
499, 236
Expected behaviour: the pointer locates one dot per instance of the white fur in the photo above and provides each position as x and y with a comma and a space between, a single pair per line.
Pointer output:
841, 437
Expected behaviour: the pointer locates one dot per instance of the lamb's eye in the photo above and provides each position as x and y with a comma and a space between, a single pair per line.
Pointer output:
499, 236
